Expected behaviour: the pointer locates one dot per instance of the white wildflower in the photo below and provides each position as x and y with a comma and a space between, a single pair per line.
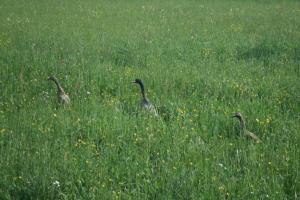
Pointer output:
222, 166
56, 184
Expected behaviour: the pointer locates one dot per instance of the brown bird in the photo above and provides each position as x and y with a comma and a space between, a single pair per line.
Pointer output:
243, 130
62, 96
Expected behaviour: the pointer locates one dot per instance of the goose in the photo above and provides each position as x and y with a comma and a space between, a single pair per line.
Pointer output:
62, 96
145, 103
243, 129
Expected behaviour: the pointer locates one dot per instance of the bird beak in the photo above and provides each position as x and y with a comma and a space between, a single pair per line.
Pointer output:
234, 116
133, 82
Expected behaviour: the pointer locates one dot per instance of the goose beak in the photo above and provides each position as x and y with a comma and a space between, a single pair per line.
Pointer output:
133, 82
233, 116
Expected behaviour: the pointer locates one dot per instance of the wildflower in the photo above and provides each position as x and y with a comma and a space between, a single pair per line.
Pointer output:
222, 166
56, 184
180, 111
222, 188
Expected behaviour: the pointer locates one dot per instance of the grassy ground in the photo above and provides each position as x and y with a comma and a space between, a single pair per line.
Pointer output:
201, 61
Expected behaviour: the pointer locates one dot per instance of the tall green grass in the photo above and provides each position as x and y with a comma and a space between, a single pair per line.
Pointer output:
200, 61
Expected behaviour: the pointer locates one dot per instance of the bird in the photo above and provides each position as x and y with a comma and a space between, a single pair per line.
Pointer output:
62, 96
145, 103
243, 129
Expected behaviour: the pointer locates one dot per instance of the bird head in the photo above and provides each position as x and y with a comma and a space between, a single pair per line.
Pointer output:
237, 115
51, 78
137, 81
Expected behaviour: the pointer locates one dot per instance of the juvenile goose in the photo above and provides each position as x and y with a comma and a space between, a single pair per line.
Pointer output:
243, 129
145, 103
62, 96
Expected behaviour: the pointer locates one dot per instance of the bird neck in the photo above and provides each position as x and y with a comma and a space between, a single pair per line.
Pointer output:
142, 90
59, 88
242, 124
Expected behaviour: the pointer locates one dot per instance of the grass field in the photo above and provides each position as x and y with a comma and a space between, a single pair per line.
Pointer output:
200, 61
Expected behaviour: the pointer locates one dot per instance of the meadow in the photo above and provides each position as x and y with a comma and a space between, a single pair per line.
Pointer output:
200, 61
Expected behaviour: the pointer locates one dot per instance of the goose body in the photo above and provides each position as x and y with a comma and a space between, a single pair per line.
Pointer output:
244, 132
251, 135
63, 98
145, 103
61, 95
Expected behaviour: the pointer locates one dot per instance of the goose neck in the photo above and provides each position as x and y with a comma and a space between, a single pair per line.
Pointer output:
59, 88
242, 124
142, 90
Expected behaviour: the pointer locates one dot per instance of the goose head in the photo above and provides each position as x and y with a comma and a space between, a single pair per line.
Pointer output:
51, 78
238, 115
137, 81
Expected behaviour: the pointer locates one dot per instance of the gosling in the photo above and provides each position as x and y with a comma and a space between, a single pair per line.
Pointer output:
62, 96
243, 130
145, 103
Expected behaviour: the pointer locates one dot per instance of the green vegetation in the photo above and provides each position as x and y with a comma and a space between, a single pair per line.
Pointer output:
200, 61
